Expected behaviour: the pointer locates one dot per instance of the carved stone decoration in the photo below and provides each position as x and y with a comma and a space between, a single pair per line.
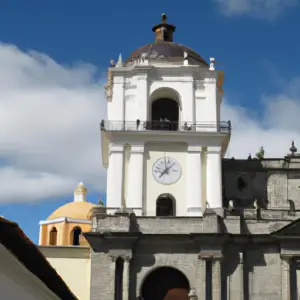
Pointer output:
199, 84
130, 85
192, 294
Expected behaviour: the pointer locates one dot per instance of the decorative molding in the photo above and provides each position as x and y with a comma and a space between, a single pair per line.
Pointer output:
214, 150
130, 85
137, 149
195, 209
116, 148
199, 84
65, 219
192, 148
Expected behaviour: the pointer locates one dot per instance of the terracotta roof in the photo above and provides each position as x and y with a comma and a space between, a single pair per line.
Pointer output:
15, 240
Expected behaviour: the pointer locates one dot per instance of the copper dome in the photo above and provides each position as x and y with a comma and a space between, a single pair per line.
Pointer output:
164, 48
167, 51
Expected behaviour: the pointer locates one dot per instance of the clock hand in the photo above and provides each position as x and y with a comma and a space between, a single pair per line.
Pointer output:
166, 170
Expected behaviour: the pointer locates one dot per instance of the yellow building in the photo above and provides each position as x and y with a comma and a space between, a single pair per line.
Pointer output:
64, 227
62, 242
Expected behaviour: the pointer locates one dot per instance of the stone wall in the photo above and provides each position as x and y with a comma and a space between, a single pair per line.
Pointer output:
271, 182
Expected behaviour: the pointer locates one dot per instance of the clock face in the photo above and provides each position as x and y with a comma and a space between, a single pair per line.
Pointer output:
166, 170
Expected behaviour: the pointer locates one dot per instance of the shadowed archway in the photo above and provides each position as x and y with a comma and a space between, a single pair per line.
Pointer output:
165, 206
165, 283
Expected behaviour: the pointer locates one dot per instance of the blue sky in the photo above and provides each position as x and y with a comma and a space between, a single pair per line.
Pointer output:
54, 55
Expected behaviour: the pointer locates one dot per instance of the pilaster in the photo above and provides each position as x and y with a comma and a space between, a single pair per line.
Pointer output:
115, 174
135, 188
241, 277
142, 96
214, 177
194, 181
126, 277
202, 266
285, 277
216, 278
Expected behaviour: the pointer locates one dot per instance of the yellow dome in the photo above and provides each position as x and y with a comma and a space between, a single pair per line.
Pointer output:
75, 210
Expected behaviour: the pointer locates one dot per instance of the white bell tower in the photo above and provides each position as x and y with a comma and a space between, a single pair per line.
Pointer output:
163, 141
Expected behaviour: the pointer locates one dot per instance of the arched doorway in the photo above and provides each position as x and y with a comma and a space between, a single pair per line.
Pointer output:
164, 114
165, 283
76, 233
165, 206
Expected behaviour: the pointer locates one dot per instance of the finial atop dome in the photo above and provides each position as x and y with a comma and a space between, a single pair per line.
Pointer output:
293, 149
163, 31
80, 193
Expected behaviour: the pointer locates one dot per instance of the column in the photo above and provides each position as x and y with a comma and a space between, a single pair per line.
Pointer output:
135, 182
115, 178
203, 278
285, 276
216, 278
126, 279
194, 181
113, 287
142, 96
214, 177
241, 271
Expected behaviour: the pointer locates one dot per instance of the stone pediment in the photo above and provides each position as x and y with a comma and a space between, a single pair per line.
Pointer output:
291, 230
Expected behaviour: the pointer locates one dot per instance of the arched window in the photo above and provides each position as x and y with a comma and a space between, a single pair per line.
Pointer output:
119, 278
165, 106
76, 234
165, 206
53, 237
165, 114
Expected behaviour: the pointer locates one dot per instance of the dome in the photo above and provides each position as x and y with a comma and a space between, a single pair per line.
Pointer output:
75, 210
166, 50
78, 209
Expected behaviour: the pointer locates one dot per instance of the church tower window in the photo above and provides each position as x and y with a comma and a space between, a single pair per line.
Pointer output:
165, 206
76, 233
53, 237
165, 114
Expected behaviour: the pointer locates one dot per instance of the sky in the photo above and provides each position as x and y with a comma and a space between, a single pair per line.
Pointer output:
53, 62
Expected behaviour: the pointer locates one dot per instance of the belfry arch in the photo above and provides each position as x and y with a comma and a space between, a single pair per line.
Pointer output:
165, 283
165, 206
164, 109
75, 236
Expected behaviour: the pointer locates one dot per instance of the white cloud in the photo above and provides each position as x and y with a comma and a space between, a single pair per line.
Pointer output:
275, 128
263, 9
49, 126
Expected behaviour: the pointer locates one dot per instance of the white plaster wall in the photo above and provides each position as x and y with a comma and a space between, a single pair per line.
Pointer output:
132, 94
16, 282
115, 108
207, 109
154, 189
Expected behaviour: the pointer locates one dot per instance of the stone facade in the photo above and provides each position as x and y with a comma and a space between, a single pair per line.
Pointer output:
240, 253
